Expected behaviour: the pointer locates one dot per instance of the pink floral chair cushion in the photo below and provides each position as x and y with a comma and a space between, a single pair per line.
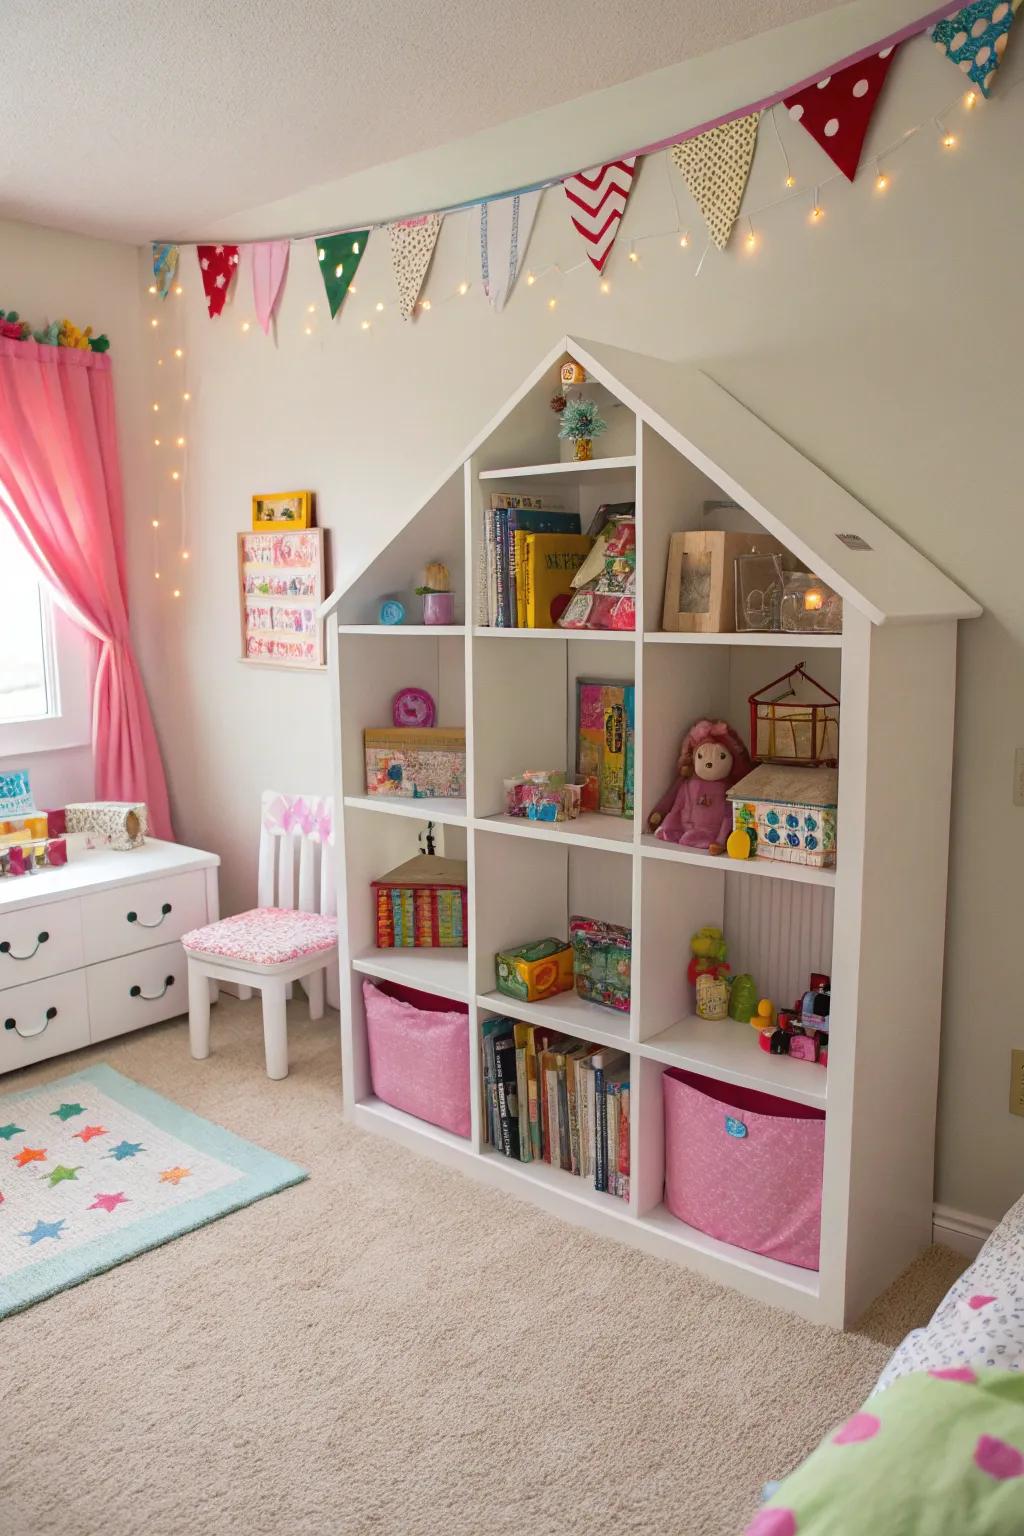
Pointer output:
264, 936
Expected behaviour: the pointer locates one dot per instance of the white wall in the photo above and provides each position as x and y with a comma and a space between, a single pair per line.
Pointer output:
47, 275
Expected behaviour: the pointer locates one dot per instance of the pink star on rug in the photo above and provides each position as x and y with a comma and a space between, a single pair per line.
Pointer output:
108, 1202
90, 1131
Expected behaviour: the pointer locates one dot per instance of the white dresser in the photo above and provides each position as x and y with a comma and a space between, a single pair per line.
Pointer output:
91, 949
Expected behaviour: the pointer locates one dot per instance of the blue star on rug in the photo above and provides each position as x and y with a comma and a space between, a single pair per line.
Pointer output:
7, 1131
66, 1111
43, 1229
125, 1149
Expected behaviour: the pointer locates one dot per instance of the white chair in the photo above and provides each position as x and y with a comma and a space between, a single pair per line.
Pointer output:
280, 941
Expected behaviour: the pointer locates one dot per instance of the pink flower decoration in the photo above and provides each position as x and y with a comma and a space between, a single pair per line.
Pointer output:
955, 1373
772, 1522
863, 1426
977, 1302
998, 1459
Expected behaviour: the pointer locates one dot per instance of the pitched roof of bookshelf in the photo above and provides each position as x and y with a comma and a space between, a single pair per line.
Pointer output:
834, 534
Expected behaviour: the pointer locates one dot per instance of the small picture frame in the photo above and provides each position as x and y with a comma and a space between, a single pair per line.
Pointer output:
281, 511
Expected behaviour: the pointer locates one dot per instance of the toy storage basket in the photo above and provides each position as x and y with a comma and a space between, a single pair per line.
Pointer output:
419, 1056
744, 1167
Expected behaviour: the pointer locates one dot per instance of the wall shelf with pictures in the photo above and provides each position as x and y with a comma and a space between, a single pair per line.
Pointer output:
688, 443
280, 591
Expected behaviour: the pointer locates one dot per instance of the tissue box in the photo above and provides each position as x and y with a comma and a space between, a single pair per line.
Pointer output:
119, 824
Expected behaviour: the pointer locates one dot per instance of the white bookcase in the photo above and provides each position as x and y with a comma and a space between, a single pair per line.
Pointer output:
876, 922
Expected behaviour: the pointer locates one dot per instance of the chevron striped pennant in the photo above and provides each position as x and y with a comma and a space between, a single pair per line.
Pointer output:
597, 200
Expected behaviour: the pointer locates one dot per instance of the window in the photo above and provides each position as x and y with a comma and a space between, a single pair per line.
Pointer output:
46, 661
28, 675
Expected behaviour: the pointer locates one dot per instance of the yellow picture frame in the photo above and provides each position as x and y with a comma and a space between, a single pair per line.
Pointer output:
280, 511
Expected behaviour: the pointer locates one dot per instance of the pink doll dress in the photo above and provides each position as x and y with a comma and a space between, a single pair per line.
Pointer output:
700, 814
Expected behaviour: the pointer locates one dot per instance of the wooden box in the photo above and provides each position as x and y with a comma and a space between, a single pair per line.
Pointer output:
700, 583
416, 762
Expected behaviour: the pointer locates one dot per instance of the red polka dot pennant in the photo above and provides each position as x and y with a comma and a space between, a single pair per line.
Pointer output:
218, 265
837, 109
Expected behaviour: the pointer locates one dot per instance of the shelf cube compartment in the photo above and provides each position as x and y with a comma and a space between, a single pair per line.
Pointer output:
418, 1048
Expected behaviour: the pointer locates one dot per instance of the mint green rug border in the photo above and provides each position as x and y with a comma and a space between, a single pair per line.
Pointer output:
264, 1174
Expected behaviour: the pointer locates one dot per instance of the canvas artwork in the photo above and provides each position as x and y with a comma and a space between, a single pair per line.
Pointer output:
281, 587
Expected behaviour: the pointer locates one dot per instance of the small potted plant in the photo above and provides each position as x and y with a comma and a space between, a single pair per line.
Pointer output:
581, 423
436, 592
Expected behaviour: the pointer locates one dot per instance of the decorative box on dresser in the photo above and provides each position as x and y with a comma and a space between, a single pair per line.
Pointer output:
92, 949
692, 459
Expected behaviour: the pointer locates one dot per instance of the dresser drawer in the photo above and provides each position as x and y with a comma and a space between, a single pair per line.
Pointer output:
43, 1018
137, 989
143, 915
39, 941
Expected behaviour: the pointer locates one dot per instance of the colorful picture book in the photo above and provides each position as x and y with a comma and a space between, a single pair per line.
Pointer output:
530, 551
550, 1098
605, 745
281, 586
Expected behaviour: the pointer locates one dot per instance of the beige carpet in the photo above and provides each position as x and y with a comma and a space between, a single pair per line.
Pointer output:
391, 1348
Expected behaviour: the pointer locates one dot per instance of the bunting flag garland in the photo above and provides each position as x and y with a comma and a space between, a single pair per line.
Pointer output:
975, 39
597, 201
715, 166
412, 246
339, 257
218, 265
505, 224
165, 265
836, 110
269, 264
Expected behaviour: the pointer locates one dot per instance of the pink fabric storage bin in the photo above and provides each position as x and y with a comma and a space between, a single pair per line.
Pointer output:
744, 1166
419, 1057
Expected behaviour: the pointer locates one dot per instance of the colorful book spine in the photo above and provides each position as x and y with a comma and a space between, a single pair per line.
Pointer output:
522, 1034
551, 1151
504, 617
492, 567
385, 926
613, 768
564, 1154
629, 702
611, 1099
624, 1141
600, 1130
508, 1109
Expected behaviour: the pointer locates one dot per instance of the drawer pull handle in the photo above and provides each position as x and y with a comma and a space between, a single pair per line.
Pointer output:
41, 938
165, 911
27, 1034
151, 997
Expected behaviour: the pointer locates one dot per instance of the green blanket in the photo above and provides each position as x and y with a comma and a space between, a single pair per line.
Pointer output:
941, 1453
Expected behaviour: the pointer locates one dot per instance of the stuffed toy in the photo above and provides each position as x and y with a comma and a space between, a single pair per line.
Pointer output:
71, 336
12, 328
49, 336
99, 344
695, 812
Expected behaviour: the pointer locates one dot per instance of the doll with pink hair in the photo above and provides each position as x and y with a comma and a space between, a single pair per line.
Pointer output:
695, 812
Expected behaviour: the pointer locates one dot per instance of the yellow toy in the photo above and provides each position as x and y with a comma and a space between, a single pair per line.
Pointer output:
71, 336
739, 844
764, 1017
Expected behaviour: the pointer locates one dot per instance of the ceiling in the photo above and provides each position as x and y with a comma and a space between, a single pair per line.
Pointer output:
133, 120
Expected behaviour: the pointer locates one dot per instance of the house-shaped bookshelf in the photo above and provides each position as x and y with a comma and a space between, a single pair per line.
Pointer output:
691, 458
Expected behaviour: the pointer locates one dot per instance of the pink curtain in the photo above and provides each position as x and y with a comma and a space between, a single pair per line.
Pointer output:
60, 471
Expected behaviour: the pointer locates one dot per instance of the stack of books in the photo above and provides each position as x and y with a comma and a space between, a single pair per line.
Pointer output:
530, 552
550, 1098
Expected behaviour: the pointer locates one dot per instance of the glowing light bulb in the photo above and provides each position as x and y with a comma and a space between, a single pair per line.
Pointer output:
156, 575
790, 181
379, 308
152, 287
175, 475
633, 256
881, 182
156, 522
156, 442
352, 288
751, 241
365, 325
338, 270
178, 290
310, 309
156, 405
424, 304
684, 241
184, 554
321, 254
949, 141
606, 286
463, 289
178, 352
355, 247
552, 303
154, 322
817, 214
176, 592
159, 362
186, 396
813, 600
245, 325
309, 330
180, 441
970, 99
530, 279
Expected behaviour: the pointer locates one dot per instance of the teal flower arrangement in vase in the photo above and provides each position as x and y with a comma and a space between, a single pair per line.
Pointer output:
581, 423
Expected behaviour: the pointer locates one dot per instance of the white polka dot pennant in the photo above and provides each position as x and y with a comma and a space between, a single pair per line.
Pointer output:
836, 110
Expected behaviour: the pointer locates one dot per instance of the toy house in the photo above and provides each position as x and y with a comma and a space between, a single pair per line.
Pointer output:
676, 442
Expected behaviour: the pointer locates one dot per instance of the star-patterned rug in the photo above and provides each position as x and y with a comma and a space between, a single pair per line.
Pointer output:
95, 1169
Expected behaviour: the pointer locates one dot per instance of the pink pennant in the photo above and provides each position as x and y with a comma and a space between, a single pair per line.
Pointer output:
597, 200
269, 265
218, 265
836, 111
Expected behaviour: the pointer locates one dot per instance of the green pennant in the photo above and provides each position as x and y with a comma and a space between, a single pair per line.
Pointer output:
339, 256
